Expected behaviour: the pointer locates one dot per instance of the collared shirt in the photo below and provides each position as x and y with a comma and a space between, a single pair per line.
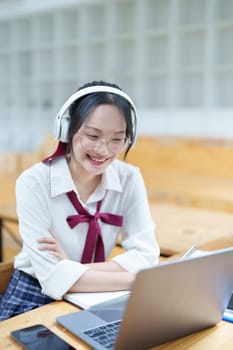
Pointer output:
42, 204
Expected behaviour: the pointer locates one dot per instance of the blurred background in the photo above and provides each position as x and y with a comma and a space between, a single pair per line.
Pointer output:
173, 57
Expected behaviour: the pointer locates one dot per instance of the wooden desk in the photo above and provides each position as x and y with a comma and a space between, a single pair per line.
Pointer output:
219, 337
178, 228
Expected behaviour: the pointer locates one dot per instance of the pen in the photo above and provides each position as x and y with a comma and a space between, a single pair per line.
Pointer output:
189, 252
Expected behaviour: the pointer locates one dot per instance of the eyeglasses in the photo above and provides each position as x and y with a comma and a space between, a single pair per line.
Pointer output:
115, 144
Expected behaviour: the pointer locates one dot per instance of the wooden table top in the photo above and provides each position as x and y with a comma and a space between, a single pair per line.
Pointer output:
178, 228
219, 337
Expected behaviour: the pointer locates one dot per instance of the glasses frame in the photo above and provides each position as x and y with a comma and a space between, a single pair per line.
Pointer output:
102, 140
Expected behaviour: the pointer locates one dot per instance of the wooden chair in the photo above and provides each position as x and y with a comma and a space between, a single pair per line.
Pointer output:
6, 269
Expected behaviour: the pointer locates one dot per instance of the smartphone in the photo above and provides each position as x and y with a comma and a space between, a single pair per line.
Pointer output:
39, 337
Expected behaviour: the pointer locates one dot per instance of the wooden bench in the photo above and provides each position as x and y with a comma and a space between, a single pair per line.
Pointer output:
13, 164
189, 172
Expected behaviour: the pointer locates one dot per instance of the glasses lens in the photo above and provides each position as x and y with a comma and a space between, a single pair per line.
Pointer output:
87, 143
114, 145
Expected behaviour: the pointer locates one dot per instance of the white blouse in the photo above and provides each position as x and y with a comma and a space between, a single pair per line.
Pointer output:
42, 204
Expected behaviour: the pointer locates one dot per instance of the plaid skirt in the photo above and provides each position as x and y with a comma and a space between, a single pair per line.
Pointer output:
22, 294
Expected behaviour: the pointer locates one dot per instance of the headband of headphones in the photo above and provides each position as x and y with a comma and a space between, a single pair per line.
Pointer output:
62, 121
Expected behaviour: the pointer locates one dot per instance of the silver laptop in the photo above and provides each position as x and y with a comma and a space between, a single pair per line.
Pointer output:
171, 300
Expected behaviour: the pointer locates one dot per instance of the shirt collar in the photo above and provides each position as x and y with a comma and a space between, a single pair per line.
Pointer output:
111, 179
61, 180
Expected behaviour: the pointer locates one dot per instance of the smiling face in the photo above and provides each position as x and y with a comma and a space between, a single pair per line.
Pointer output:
103, 127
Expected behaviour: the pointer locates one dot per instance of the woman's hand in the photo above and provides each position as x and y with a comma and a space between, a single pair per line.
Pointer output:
52, 245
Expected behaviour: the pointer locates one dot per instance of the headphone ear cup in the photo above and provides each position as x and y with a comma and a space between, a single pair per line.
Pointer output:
61, 128
65, 124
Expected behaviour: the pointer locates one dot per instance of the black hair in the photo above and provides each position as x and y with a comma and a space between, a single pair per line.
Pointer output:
80, 109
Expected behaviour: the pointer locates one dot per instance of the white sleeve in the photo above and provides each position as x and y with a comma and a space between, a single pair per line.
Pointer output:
139, 240
56, 277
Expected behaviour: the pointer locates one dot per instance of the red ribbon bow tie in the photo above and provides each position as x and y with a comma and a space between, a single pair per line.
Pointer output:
94, 241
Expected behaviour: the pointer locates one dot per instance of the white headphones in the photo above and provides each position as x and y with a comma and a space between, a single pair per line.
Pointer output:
62, 121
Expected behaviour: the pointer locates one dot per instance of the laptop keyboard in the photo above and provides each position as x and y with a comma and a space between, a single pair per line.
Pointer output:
230, 305
105, 335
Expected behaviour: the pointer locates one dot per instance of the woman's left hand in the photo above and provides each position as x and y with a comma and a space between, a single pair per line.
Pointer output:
52, 245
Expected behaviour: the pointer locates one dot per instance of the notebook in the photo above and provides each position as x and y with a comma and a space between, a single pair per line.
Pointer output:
86, 300
171, 300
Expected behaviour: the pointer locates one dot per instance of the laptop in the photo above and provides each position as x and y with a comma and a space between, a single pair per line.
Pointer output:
171, 300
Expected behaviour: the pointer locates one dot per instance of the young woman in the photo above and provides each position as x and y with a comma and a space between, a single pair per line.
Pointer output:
73, 206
